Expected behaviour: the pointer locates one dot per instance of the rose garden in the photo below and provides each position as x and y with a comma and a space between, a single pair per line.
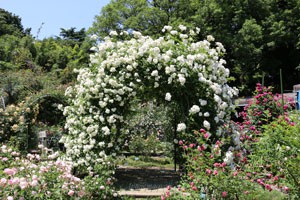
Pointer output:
221, 153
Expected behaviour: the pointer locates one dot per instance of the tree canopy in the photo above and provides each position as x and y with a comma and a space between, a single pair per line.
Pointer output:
260, 36
10, 24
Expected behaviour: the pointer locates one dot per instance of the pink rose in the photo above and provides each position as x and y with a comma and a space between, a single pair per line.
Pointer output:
34, 183
208, 171
23, 185
71, 193
3, 181
10, 172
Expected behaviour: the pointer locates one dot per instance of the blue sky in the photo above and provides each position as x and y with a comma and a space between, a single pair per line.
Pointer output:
55, 14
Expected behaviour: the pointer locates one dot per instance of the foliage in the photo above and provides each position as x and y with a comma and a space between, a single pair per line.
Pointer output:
260, 36
19, 50
149, 145
145, 68
150, 127
10, 24
73, 37
144, 162
277, 154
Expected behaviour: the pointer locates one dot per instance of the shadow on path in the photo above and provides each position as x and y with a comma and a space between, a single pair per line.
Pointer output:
129, 178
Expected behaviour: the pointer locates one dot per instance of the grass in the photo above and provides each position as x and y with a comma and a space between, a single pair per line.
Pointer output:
146, 161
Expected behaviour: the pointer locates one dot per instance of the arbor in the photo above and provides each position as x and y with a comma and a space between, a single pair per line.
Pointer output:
185, 74
260, 36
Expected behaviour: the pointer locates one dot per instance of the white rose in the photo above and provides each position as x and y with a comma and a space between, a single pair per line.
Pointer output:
181, 127
206, 124
194, 109
168, 97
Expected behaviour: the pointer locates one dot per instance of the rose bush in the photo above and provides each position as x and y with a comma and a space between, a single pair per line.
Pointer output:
33, 177
15, 122
260, 153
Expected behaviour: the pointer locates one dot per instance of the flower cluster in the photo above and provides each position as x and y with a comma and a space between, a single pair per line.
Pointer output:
30, 177
161, 68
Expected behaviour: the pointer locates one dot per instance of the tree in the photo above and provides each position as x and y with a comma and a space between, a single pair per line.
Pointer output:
73, 37
10, 24
260, 36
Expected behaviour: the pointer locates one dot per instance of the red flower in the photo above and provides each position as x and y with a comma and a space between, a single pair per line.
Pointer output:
224, 194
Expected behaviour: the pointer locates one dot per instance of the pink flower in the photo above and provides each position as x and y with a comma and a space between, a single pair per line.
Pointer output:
192, 145
71, 193
4, 159
10, 172
268, 187
259, 181
167, 193
286, 189
81, 193
34, 177
10, 198
3, 181
269, 175
34, 183
208, 171
180, 142
102, 187
235, 173
168, 187
23, 184
206, 135
224, 194
199, 148
217, 164
215, 172
194, 188
163, 197
15, 180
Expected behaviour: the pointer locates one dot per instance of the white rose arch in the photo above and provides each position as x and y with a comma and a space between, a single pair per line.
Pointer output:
172, 68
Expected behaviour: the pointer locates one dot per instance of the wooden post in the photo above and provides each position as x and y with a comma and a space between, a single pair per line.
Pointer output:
281, 87
263, 80
174, 145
